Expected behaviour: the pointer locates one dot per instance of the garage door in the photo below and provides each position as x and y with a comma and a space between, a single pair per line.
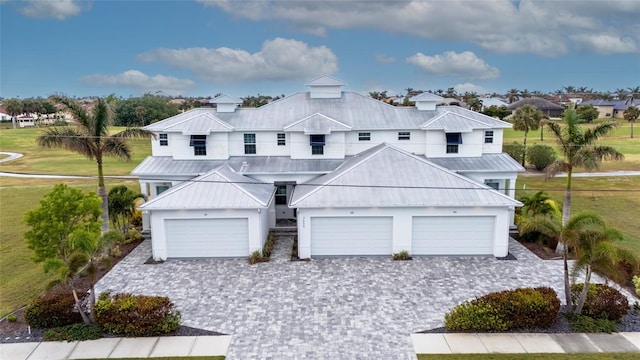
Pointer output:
351, 235
188, 238
459, 235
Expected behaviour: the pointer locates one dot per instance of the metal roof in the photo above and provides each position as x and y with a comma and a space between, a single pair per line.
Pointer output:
317, 124
325, 80
225, 99
426, 96
155, 166
450, 122
353, 110
485, 163
221, 188
386, 176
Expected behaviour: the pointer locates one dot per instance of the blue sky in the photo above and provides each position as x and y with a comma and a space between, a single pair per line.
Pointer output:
240, 48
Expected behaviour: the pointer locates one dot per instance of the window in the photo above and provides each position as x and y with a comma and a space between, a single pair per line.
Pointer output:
488, 137
364, 136
282, 140
164, 139
317, 144
492, 184
249, 143
404, 135
453, 141
161, 188
281, 195
199, 143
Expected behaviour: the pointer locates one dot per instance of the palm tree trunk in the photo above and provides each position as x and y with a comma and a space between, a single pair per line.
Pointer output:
566, 206
567, 284
102, 192
524, 152
632, 129
583, 294
79, 307
92, 297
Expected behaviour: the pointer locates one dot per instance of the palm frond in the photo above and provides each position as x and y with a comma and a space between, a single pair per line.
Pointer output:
556, 167
116, 147
102, 115
68, 138
135, 133
77, 111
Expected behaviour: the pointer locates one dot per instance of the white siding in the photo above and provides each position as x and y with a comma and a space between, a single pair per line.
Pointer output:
326, 92
496, 146
158, 150
217, 147
472, 144
301, 149
414, 145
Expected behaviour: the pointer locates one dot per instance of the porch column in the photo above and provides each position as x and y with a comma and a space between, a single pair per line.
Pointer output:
511, 188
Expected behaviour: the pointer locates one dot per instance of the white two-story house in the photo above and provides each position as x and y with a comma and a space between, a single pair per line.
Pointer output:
358, 176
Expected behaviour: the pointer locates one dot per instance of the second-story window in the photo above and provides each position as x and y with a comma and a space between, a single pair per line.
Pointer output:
249, 143
164, 139
282, 139
364, 136
453, 142
199, 144
404, 135
317, 144
488, 137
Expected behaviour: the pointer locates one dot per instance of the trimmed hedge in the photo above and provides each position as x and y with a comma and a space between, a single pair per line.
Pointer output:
75, 332
136, 315
52, 310
526, 308
603, 302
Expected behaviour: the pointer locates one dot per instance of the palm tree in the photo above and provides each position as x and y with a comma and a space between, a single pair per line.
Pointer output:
578, 148
594, 247
90, 137
513, 96
122, 206
631, 114
527, 118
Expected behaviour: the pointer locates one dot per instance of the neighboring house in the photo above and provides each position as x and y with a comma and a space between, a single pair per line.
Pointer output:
26, 120
358, 176
610, 109
547, 107
486, 102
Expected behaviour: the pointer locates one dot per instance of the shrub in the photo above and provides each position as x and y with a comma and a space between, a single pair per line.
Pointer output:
136, 315
12, 318
603, 302
636, 283
527, 308
585, 324
133, 235
136, 219
269, 245
515, 150
113, 237
475, 316
53, 310
540, 156
402, 255
256, 257
75, 332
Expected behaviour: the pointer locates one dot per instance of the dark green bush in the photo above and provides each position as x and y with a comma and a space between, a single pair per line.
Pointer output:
515, 150
540, 156
136, 315
585, 324
603, 302
269, 245
402, 255
75, 332
52, 310
527, 308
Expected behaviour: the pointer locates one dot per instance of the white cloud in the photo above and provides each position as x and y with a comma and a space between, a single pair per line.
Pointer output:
605, 44
279, 59
385, 59
138, 80
52, 9
469, 87
465, 65
546, 28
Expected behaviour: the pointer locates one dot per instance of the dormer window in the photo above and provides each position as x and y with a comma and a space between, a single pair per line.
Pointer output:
453, 142
317, 144
164, 139
199, 143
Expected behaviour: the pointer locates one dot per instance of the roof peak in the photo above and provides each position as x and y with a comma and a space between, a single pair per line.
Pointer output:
325, 80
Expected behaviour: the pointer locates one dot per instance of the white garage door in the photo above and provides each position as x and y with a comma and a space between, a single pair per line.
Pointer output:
452, 235
351, 235
188, 238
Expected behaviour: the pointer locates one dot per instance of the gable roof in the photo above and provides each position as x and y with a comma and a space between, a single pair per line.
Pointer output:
225, 99
221, 188
325, 80
426, 96
317, 124
386, 176
450, 122
197, 121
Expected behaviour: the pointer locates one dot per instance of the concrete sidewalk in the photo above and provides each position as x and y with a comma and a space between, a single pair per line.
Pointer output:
514, 343
114, 348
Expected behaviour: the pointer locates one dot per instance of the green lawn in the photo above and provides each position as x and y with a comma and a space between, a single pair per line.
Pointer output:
594, 356
20, 278
39, 160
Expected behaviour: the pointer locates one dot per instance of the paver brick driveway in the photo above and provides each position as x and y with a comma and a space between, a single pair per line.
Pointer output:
331, 308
